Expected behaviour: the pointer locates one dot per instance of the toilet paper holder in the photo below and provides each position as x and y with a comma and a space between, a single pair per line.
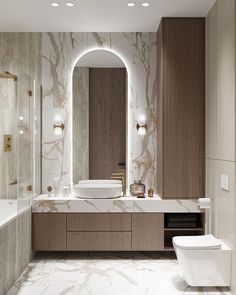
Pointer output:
204, 203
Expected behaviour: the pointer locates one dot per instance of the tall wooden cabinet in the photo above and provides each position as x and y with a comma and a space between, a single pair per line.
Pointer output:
181, 107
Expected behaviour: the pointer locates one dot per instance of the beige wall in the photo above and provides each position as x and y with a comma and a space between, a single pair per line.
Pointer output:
220, 121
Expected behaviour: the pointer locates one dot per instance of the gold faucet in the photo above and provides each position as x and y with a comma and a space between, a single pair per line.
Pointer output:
121, 175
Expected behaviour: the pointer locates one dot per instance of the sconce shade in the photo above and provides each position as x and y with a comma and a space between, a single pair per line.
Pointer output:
142, 131
58, 131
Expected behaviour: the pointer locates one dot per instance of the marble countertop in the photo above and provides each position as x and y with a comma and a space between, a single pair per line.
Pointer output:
44, 203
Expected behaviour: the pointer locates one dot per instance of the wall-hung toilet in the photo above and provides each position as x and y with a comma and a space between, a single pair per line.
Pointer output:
204, 260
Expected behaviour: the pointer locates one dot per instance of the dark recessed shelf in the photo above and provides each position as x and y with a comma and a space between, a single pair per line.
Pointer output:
191, 224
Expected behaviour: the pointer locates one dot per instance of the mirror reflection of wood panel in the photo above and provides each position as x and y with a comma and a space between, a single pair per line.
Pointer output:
107, 121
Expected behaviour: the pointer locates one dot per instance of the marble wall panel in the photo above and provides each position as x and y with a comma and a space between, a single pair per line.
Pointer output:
21, 53
80, 124
8, 127
61, 52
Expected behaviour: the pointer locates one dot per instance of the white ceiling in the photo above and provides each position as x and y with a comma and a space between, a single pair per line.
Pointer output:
94, 15
100, 59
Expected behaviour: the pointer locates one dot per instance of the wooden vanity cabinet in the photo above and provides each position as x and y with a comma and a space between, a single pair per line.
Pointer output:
49, 231
147, 231
181, 108
98, 231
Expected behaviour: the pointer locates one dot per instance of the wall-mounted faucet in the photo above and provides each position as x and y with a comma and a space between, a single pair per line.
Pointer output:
121, 175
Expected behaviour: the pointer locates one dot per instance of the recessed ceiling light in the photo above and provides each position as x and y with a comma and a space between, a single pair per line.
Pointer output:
131, 4
55, 4
145, 4
69, 4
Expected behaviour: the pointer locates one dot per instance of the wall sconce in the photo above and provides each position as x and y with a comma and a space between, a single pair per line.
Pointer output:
142, 129
141, 125
58, 125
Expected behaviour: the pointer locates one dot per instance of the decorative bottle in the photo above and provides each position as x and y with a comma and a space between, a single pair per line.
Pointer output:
137, 188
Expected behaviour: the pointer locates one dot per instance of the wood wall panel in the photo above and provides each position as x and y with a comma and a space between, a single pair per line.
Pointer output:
107, 121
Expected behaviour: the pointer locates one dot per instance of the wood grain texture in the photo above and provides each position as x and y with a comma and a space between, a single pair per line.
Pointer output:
99, 241
160, 148
147, 231
49, 231
99, 222
182, 96
107, 121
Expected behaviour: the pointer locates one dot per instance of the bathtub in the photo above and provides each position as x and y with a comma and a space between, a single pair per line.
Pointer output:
15, 231
8, 211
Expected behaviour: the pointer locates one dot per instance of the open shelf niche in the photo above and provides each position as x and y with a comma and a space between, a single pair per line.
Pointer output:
182, 224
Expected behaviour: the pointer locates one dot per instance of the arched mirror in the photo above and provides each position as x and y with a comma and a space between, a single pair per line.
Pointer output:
99, 116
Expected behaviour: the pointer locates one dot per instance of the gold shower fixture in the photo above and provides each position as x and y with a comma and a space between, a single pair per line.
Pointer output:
8, 75
7, 143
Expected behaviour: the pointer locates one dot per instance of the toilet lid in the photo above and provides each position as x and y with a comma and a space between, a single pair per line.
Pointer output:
197, 242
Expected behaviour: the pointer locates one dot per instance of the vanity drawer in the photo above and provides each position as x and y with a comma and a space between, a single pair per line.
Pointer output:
99, 222
99, 241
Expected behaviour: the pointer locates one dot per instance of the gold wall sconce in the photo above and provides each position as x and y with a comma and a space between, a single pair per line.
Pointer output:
142, 129
58, 126
141, 117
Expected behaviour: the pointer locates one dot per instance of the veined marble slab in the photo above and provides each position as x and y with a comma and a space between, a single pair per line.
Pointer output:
60, 53
105, 274
43, 203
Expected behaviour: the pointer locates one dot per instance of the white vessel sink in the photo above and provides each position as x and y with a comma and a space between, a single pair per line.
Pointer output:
98, 189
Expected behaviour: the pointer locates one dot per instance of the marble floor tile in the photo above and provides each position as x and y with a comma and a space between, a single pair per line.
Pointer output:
105, 274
